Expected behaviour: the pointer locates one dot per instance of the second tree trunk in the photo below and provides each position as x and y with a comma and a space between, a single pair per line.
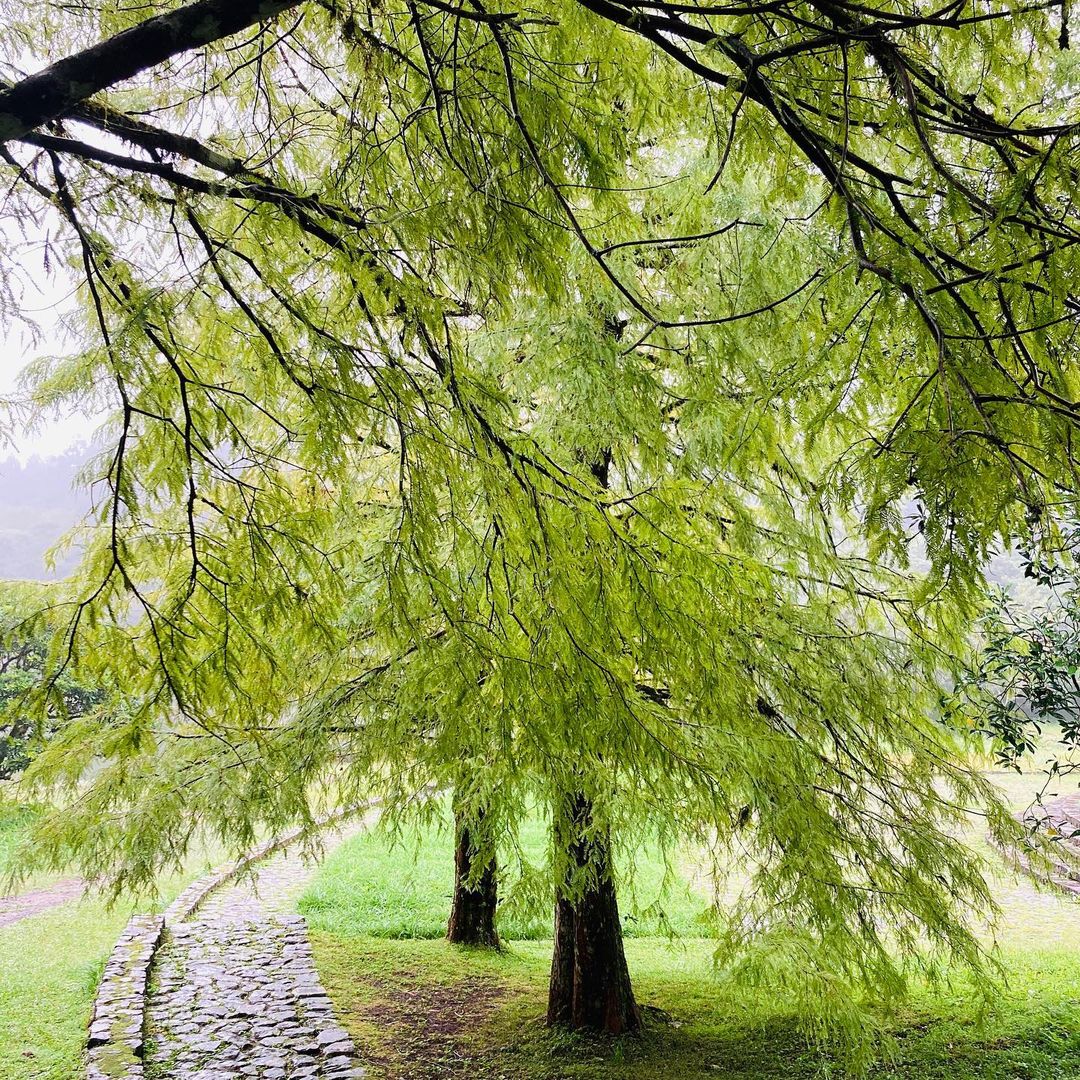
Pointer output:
476, 891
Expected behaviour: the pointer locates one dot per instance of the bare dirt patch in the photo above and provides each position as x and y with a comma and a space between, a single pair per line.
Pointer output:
428, 1030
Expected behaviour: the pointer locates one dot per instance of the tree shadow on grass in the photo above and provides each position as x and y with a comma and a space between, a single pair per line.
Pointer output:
426, 1011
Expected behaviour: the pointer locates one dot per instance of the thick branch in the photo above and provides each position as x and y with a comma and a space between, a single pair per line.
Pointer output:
61, 86
257, 189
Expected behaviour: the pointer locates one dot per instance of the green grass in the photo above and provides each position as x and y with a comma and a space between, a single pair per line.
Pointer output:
15, 820
50, 965
378, 887
423, 1010
50, 969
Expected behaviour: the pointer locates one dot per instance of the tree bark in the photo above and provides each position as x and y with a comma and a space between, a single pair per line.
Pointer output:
53, 92
590, 987
472, 913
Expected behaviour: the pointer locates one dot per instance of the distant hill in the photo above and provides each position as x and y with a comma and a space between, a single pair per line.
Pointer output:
38, 504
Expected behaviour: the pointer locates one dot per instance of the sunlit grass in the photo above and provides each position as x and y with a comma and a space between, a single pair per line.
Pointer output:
380, 886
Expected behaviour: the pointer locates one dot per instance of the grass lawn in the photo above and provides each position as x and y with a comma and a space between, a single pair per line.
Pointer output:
403, 889
50, 965
420, 1009
49, 970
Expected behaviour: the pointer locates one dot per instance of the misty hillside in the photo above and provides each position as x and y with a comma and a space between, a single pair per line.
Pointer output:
38, 504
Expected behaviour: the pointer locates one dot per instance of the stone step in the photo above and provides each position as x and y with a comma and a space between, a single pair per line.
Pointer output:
1055, 828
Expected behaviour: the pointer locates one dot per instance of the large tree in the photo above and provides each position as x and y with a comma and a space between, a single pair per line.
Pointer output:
350, 283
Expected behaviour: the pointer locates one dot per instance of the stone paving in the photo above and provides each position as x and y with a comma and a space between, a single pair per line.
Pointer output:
234, 991
1057, 820
115, 1046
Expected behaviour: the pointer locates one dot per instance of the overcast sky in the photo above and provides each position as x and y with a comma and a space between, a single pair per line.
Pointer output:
46, 299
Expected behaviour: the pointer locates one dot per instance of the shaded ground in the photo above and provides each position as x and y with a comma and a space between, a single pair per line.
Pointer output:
428, 1030
412, 1017
424, 1010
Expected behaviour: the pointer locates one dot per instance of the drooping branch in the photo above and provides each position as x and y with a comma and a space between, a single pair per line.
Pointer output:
251, 186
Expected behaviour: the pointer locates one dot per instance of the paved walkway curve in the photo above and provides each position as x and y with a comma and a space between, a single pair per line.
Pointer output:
35, 901
234, 991
1056, 821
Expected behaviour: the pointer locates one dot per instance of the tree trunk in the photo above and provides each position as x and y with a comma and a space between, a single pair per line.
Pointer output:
590, 983
472, 913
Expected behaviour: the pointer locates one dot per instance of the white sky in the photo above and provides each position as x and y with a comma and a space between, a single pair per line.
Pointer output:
46, 299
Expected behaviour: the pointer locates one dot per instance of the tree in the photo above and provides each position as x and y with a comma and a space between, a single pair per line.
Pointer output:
590, 982
476, 882
350, 516
1025, 672
24, 646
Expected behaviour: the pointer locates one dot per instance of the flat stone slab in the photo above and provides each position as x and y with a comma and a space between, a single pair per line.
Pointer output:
239, 996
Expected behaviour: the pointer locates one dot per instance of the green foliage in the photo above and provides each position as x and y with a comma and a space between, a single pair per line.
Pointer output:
1024, 678
24, 648
15, 820
509, 401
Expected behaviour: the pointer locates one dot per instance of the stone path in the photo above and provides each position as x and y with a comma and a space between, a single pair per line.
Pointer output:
1059, 821
23, 905
234, 991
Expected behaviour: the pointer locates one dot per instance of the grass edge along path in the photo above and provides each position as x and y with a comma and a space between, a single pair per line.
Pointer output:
50, 966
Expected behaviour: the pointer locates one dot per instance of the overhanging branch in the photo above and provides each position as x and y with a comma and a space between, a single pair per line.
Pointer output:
52, 93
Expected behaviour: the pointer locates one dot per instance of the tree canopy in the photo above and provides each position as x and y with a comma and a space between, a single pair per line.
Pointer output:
544, 401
